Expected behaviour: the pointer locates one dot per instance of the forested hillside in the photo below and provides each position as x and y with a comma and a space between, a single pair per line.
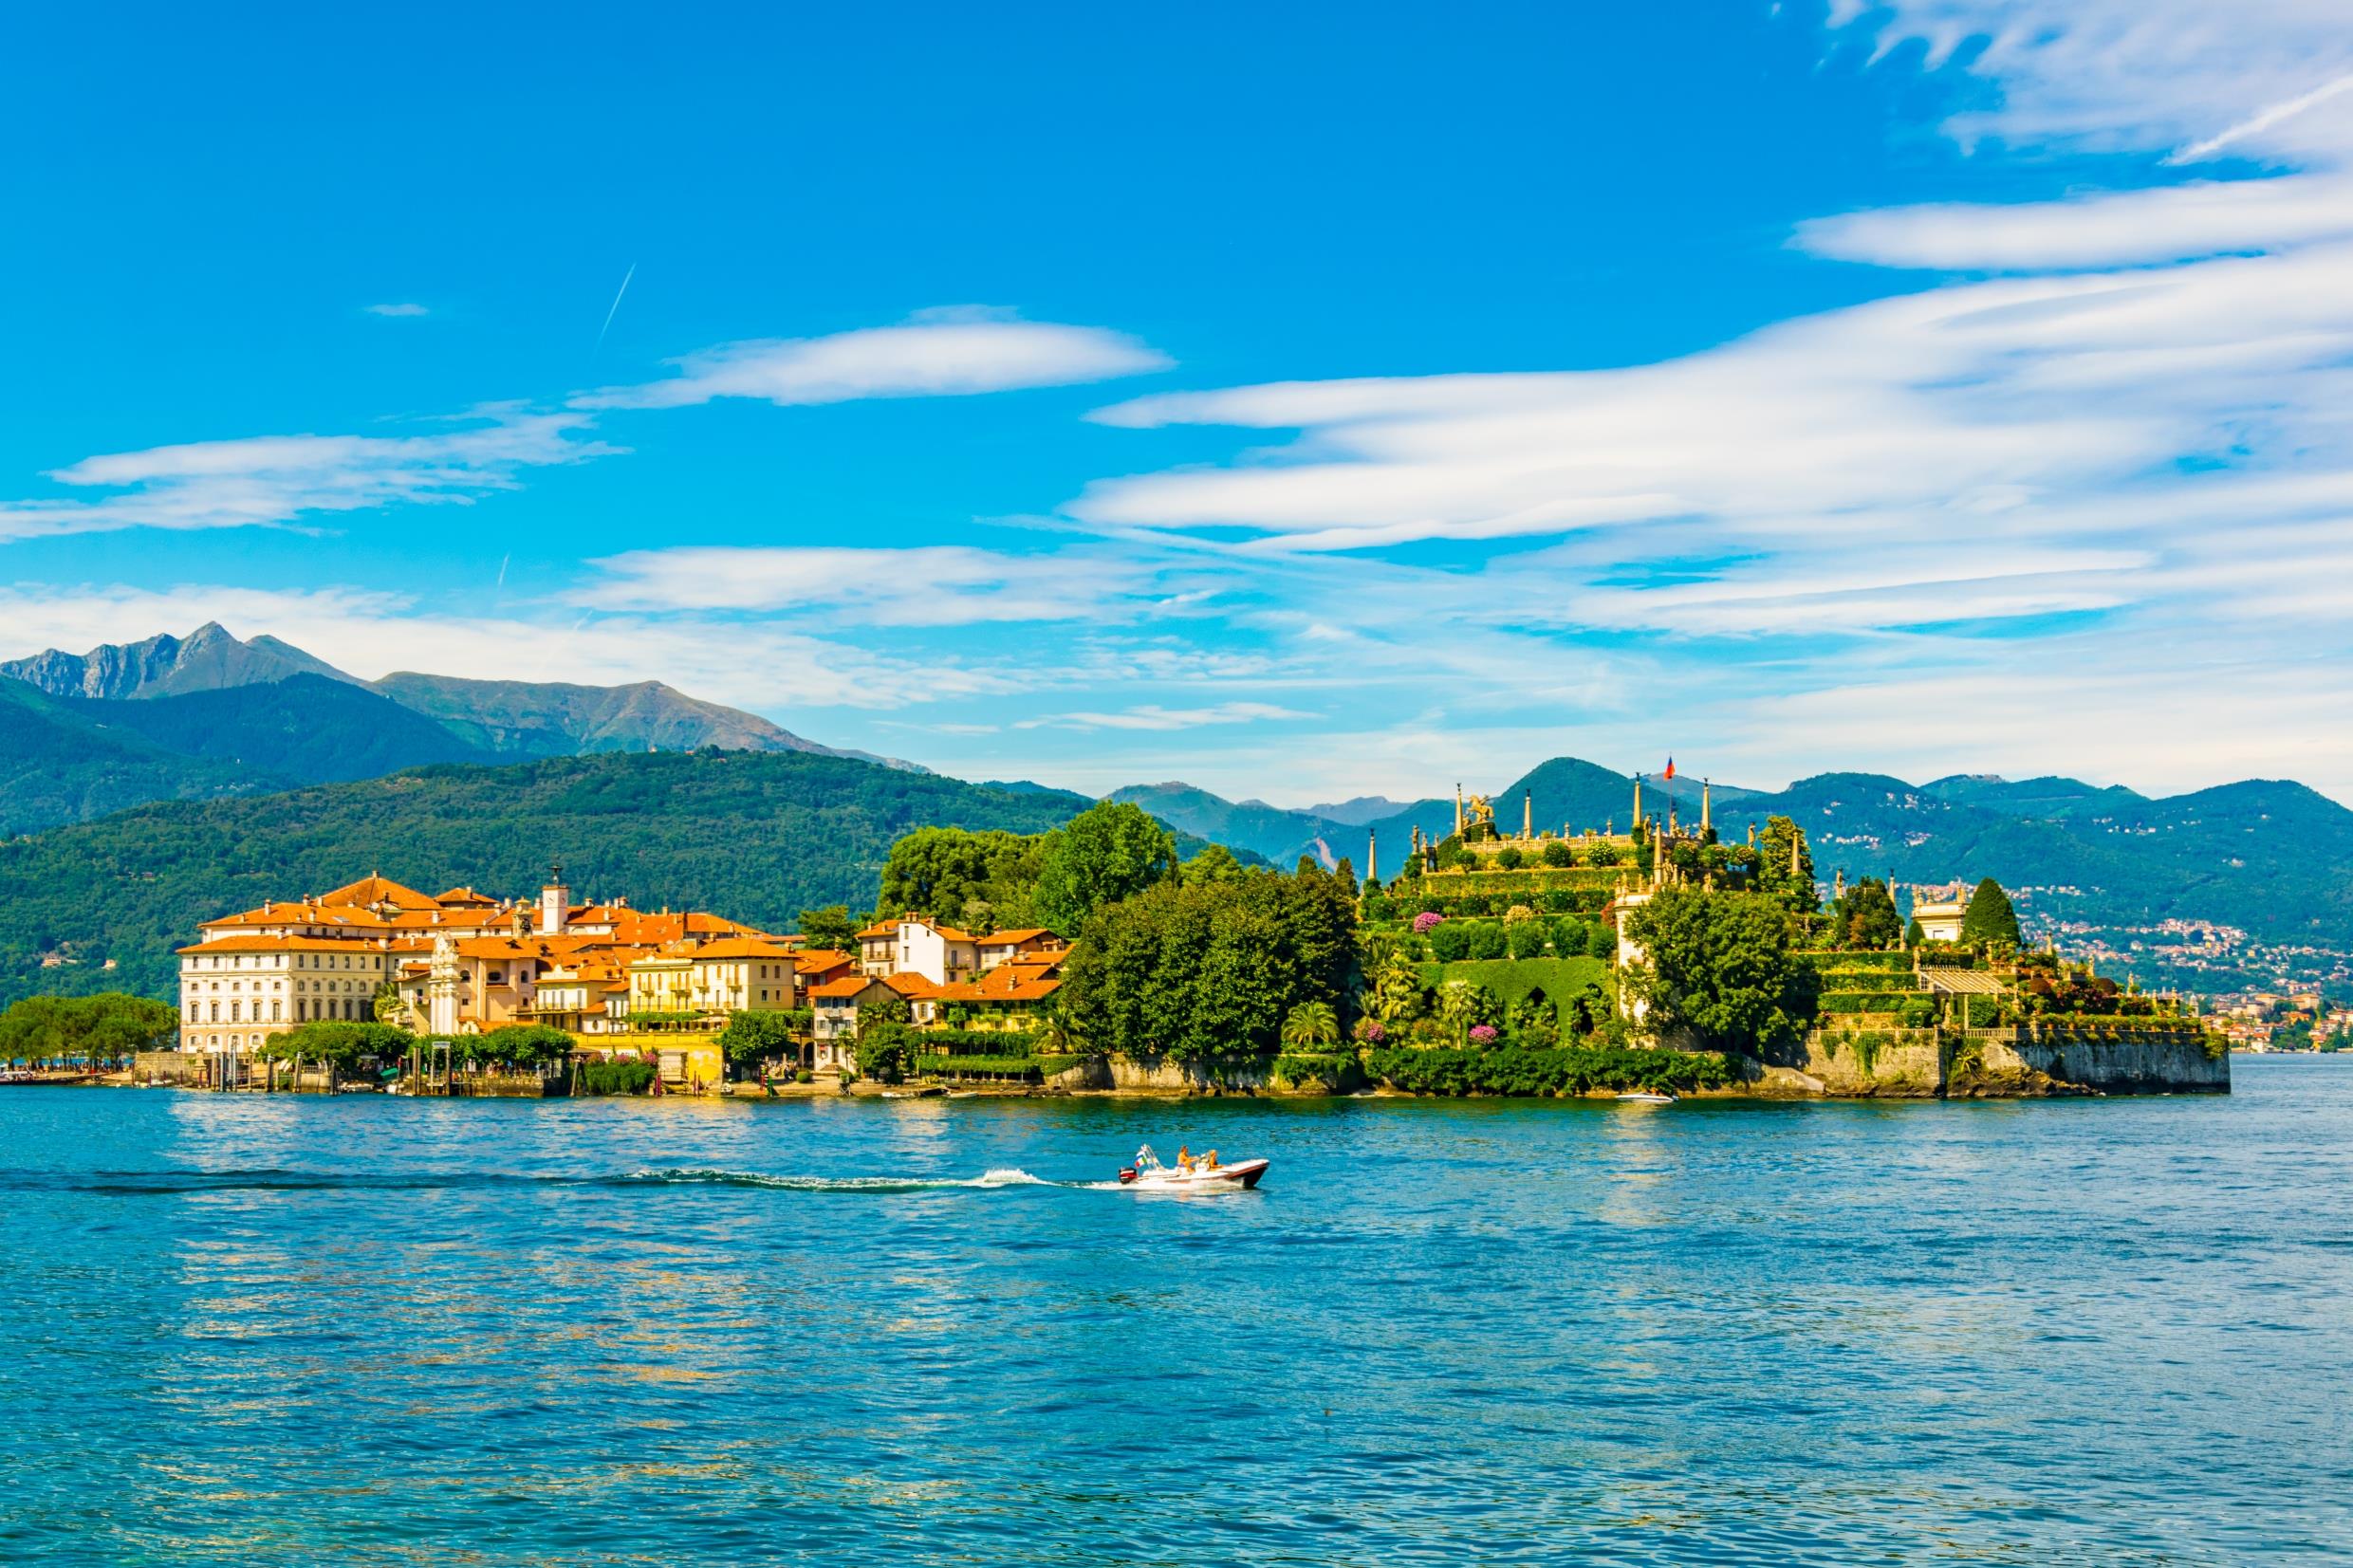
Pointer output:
57, 766
756, 836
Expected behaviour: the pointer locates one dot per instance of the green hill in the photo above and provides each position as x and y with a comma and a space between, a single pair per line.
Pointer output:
2271, 857
56, 766
755, 836
1279, 835
516, 719
308, 729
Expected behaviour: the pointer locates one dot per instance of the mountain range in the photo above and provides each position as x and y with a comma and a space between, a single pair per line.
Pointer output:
2271, 857
240, 723
212, 714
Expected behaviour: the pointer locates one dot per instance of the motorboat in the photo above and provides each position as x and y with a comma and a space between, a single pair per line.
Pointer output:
1645, 1097
1149, 1175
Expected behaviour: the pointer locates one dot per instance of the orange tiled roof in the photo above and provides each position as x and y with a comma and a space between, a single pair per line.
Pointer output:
257, 942
377, 889
880, 927
909, 983
739, 947
1018, 990
287, 914
849, 984
1014, 938
817, 960
463, 896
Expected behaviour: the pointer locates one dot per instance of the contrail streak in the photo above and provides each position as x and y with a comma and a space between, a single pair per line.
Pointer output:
617, 294
502, 569
2263, 122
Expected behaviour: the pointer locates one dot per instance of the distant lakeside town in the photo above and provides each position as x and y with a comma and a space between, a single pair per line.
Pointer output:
1497, 958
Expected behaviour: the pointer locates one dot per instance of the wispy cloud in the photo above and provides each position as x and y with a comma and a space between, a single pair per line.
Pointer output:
1156, 718
947, 353
920, 586
407, 310
774, 669
285, 479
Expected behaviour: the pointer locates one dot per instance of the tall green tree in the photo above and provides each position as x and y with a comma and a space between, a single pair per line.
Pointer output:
832, 927
1212, 968
755, 1035
108, 1027
980, 880
1990, 920
1110, 851
1214, 864
1773, 876
343, 1046
1720, 965
1867, 918
528, 1046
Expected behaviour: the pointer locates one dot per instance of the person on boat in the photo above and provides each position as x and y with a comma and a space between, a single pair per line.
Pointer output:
1184, 1157
1208, 1161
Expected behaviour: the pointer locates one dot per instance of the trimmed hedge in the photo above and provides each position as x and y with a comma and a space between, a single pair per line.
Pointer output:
1865, 1002
977, 1066
1859, 963
1569, 1070
1511, 979
977, 1041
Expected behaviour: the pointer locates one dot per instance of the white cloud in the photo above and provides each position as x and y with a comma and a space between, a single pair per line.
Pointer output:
2138, 74
281, 479
921, 586
767, 668
938, 354
2173, 223
408, 309
1156, 718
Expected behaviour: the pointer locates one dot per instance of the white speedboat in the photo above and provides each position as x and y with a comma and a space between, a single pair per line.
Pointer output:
1149, 1175
1645, 1099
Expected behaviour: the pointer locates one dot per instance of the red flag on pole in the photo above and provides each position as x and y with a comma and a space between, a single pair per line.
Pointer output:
1670, 772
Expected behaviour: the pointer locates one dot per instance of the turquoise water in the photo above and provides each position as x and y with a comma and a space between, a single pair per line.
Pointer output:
247, 1330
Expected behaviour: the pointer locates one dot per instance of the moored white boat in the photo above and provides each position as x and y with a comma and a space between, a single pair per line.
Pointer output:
1149, 1175
1645, 1097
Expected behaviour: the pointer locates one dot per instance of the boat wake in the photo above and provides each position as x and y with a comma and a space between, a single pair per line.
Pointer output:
277, 1179
169, 1183
683, 1176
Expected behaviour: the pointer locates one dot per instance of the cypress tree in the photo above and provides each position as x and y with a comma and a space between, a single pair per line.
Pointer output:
1990, 918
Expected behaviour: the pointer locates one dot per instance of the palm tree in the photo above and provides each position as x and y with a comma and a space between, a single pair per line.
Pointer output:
1311, 1024
1458, 1005
1397, 990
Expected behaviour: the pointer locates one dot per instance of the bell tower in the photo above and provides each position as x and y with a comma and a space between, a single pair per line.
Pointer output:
554, 899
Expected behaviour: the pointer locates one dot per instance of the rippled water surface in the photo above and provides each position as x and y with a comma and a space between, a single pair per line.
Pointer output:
249, 1330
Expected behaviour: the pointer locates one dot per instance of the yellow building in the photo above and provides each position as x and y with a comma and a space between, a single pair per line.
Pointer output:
730, 975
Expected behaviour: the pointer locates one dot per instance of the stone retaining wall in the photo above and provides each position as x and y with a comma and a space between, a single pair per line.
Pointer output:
1906, 1065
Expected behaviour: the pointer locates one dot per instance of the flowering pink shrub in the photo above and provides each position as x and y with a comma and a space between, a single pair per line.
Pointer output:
1370, 1032
1482, 1034
1425, 920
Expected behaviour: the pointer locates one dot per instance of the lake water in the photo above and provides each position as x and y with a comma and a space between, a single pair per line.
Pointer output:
247, 1330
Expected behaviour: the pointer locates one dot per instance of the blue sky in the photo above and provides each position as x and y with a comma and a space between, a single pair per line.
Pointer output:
1307, 405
